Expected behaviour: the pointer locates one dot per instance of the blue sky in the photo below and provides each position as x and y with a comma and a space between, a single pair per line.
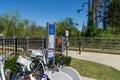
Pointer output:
42, 11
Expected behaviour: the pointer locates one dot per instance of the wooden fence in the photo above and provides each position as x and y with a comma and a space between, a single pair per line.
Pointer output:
107, 45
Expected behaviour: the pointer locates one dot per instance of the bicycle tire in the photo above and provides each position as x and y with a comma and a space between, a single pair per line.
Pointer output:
38, 70
20, 75
15, 74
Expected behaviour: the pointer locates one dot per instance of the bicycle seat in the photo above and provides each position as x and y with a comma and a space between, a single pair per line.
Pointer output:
36, 53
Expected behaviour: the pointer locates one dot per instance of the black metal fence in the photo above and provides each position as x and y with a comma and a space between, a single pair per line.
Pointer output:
15, 44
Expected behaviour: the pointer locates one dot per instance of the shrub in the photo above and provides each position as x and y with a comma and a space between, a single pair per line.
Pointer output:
11, 64
66, 59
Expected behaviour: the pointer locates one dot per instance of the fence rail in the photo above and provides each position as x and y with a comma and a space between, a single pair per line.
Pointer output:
15, 44
96, 44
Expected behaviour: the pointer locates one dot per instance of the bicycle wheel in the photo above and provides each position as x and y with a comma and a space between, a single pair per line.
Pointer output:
37, 70
20, 75
16, 75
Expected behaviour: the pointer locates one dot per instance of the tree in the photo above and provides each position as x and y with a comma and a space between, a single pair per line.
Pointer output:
114, 13
90, 31
2, 24
92, 23
20, 29
11, 24
67, 24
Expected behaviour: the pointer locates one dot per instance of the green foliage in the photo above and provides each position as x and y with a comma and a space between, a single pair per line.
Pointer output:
109, 33
66, 59
105, 12
113, 14
67, 24
11, 24
90, 30
11, 64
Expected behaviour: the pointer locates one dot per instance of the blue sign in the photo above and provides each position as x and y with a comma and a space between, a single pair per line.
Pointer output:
50, 58
51, 29
50, 54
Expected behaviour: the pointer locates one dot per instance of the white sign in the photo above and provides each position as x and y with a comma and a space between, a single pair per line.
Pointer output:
51, 41
67, 33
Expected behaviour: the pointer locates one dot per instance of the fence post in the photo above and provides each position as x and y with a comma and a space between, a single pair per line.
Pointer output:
44, 42
43, 45
15, 42
83, 43
27, 42
79, 46
3, 43
103, 44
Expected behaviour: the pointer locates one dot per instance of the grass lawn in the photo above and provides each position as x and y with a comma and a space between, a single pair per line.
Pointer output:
95, 70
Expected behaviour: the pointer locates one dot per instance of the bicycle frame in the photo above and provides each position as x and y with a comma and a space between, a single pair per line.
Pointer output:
42, 61
2, 71
26, 62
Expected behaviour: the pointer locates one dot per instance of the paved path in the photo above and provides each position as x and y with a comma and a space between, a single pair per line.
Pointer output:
86, 78
107, 59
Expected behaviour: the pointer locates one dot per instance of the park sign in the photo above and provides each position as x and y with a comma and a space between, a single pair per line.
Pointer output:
51, 36
51, 41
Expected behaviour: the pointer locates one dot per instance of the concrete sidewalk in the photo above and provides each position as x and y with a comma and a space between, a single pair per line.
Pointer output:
107, 59
86, 78
102, 58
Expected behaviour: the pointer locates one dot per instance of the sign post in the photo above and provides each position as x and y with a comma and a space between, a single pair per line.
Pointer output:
67, 41
50, 41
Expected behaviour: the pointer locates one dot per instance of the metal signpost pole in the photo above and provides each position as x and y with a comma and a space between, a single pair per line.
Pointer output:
62, 45
67, 41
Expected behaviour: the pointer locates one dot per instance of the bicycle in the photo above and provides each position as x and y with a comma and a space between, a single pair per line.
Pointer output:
4, 73
31, 69
37, 66
47, 70
23, 72
39, 70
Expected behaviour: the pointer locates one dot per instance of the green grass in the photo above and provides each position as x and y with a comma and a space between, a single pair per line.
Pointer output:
95, 70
